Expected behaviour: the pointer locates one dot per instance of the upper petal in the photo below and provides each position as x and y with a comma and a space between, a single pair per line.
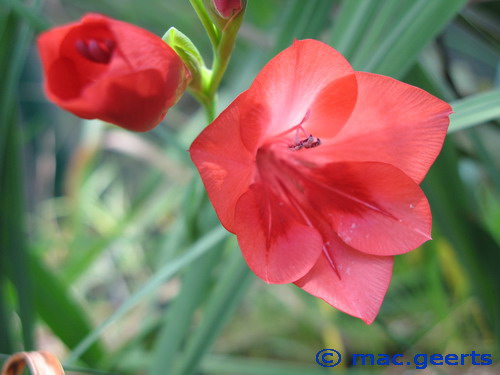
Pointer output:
140, 49
350, 281
373, 207
224, 154
290, 82
49, 43
393, 123
332, 107
278, 244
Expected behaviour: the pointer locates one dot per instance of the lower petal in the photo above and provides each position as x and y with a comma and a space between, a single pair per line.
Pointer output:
275, 241
373, 207
135, 101
355, 283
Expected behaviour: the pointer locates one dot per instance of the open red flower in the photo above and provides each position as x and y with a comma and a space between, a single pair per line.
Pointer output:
316, 169
111, 70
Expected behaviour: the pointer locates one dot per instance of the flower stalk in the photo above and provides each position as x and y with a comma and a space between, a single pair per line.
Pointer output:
222, 37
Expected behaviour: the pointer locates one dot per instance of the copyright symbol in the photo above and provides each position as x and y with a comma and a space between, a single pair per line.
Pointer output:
328, 358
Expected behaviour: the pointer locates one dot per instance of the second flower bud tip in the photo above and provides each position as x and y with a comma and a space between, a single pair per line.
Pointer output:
228, 8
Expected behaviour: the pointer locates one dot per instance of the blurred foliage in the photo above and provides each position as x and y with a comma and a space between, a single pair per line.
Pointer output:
97, 225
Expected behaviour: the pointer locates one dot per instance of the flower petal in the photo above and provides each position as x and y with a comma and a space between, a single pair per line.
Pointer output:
374, 207
276, 242
135, 101
225, 158
291, 81
52, 42
356, 283
332, 107
393, 123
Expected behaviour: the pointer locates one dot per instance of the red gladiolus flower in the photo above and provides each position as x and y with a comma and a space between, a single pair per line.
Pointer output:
316, 169
111, 70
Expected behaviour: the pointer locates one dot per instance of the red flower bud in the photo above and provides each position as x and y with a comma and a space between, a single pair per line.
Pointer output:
227, 8
111, 70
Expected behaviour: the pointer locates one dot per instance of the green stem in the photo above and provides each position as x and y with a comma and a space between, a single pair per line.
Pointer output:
209, 104
223, 52
218, 69
211, 109
223, 42
207, 23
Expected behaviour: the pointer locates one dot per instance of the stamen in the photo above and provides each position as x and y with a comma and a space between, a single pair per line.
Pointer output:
309, 142
326, 248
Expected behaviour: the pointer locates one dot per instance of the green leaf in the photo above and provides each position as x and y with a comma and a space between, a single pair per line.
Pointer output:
351, 24
189, 54
475, 110
62, 314
416, 28
230, 365
376, 27
195, 287
302, 20
6, 316
14, 43
223, 302
454, 213
29, 14
163, 274
14, 48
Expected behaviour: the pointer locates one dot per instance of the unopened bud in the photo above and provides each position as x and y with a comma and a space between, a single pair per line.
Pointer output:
227, 8
223, 12
189, 54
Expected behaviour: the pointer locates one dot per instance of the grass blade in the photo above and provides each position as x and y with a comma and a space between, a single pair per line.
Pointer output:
375, 31
229, 365
397, 53
179, 318
163, 274
6, 314
475, 110
29, 15
195, 286
305, 20
351, 24
453, 212
227, 294
14, 41
60, 312
12, 232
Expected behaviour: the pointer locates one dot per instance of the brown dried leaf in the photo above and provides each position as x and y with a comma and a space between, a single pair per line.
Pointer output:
39, 363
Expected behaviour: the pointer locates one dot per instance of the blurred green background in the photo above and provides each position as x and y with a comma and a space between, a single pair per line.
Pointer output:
108, 253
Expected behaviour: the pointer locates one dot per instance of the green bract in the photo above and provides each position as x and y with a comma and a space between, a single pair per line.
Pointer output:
189, 54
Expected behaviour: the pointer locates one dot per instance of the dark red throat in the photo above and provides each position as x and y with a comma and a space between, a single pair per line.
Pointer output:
96, 50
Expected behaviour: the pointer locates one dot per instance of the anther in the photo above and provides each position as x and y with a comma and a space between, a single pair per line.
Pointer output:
309, 142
